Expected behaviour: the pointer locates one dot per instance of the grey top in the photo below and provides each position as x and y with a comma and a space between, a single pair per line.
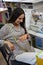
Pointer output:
9, 32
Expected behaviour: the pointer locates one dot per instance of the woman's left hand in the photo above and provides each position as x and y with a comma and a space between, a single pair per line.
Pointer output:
24, 37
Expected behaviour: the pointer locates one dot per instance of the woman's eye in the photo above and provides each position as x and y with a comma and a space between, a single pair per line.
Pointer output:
19, 18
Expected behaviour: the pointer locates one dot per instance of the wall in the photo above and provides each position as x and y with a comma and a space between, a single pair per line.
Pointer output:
38, 6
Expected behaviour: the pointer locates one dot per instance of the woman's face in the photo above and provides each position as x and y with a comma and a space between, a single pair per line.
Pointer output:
19, 19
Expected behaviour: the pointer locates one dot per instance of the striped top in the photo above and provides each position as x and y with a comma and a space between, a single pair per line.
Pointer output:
9, 32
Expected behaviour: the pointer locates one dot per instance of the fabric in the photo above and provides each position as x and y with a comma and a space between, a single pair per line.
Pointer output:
0, 18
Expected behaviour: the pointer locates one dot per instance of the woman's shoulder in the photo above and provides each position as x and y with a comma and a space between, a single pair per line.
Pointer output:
8, 25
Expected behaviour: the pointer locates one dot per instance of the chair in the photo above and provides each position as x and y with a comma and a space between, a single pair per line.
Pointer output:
5, 52
1, 25
15, 62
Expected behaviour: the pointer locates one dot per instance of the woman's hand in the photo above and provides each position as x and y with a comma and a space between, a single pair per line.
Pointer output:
10, 45
24, 37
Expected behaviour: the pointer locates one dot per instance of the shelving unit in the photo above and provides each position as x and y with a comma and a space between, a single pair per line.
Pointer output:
3, 10
26, 1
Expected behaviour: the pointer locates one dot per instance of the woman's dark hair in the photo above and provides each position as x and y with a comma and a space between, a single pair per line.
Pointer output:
15, 14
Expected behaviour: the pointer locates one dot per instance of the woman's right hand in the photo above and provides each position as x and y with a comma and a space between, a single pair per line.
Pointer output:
10, 45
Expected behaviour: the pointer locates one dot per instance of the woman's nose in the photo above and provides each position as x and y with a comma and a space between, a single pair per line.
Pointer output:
21, 20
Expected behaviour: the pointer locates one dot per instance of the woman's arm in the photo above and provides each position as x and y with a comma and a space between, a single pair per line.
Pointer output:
3, 32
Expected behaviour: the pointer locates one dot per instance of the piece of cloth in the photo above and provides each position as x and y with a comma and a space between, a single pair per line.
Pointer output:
0, 18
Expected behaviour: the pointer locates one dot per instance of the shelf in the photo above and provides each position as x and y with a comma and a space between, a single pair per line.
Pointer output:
3, 10
23, 1
35, 33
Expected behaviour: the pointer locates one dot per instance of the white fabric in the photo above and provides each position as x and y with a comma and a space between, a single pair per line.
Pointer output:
28, 57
